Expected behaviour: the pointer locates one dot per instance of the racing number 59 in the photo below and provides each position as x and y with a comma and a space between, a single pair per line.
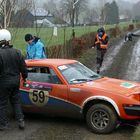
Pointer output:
38, 96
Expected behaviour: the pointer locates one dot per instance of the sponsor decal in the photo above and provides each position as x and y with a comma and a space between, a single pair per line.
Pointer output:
127, 85
63, 67
75, 89
90, 83
41, 86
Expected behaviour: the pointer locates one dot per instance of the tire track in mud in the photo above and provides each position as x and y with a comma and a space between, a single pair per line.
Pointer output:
133, 71
117, 63
110, 56
122, 60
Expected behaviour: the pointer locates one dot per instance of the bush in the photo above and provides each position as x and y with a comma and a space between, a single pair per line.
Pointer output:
131, 27
88, 58
114, 32
138, 25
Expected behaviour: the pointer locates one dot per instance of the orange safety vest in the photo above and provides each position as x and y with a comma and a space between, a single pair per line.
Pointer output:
102, 46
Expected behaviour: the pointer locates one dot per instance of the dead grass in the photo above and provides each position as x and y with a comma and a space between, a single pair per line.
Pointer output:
136, 135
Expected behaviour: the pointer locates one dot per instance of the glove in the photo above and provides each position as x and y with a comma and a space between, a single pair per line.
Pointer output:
101, 39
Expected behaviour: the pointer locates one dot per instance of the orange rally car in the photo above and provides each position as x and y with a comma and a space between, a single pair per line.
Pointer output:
65, 87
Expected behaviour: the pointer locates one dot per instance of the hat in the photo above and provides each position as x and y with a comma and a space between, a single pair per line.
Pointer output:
101, 30
28, 37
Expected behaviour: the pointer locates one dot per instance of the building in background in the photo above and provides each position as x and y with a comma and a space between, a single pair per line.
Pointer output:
38, 17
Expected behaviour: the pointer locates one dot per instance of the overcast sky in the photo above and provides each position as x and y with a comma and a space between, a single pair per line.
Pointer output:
40, 2
133, 1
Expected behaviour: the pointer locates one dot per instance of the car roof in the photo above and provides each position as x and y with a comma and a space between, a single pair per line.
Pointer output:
50, 62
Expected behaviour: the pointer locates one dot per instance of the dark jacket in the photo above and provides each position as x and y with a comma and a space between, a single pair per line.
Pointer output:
11, 65
129, 36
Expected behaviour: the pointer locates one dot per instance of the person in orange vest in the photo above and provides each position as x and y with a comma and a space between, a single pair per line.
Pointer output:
101, 45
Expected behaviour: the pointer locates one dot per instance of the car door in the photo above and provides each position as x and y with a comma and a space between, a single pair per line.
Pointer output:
44, 91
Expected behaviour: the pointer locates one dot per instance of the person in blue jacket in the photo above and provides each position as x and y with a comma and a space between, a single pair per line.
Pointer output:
35, 48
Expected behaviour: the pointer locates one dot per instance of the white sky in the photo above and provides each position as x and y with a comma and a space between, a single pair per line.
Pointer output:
40, 2
133, 1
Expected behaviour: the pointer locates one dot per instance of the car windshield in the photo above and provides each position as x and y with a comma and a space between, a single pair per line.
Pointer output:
77, 73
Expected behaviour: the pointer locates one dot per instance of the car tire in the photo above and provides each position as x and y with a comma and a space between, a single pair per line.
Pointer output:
101, 119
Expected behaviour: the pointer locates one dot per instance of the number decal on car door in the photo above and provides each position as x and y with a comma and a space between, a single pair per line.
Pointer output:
38, 97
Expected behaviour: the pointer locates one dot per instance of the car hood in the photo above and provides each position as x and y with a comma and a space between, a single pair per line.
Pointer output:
114, 85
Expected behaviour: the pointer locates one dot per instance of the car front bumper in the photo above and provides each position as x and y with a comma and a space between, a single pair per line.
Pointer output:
132, 110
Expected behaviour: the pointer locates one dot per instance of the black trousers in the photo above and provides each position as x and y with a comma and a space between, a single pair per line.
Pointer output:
100, 57
10, 95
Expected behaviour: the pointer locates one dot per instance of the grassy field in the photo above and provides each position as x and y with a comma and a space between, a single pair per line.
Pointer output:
46, 34
136, 135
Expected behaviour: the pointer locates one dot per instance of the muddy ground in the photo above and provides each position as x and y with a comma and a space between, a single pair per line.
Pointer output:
118, 63
44, 128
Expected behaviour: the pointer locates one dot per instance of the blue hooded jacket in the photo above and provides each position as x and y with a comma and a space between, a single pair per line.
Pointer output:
36, 50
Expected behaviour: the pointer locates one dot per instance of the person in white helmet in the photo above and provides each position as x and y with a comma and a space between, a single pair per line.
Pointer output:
12, 64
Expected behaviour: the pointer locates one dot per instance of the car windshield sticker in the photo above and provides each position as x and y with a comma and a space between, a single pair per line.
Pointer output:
62, 67
39, 97
127, 85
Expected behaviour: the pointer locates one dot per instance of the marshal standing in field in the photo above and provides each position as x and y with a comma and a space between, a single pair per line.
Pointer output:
101, 44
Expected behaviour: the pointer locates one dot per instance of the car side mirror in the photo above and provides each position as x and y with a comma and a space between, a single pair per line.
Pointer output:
27, 85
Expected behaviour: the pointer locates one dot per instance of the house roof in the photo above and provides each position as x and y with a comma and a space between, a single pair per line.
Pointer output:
44, 22
39, 12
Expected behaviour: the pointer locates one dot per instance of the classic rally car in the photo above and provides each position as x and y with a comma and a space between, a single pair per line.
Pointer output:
68, 88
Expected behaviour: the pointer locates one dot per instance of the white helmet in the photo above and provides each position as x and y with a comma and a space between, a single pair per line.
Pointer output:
5, 35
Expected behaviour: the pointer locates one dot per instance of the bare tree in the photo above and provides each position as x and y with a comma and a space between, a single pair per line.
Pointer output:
82, 5
73, 8
91, 17
50, 6
25, 4
7, 7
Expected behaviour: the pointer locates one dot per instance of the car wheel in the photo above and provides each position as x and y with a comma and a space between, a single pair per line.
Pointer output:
101, 119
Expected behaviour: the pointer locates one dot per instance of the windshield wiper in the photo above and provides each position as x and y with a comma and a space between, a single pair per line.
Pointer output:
94, 76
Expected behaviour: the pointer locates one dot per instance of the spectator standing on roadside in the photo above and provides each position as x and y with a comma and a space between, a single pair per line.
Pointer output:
35, 48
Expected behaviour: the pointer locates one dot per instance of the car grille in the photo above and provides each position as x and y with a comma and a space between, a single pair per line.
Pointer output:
136, 96
139, 97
